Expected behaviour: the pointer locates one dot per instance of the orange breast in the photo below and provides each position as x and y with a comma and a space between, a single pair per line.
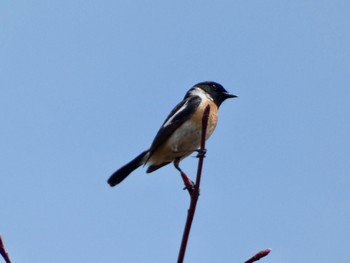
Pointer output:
213, 116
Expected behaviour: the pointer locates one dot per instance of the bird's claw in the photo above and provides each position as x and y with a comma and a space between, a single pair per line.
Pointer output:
190, 187
201, 153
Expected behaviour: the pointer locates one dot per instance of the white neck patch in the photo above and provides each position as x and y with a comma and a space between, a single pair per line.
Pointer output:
200, 93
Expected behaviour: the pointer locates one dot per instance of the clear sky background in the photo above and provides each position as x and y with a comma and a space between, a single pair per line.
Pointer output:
85, 86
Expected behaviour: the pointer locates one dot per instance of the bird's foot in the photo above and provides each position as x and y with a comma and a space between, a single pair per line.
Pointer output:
201, 153
189, 187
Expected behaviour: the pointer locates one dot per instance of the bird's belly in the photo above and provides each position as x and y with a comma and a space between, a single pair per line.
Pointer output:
185, 140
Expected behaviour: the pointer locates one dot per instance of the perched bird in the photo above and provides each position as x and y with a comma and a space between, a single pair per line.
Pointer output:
180, 134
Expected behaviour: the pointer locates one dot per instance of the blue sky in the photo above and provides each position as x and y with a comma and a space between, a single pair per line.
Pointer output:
85, 86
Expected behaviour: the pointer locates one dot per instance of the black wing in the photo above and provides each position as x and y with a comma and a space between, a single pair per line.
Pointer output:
182, 112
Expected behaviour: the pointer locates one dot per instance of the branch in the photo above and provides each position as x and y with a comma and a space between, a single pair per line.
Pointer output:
3, 252
194, 194
259, 255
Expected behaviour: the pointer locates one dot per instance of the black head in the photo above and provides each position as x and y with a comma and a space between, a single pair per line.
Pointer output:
215, 91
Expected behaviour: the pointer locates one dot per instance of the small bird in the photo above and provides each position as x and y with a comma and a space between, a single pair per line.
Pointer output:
180, 134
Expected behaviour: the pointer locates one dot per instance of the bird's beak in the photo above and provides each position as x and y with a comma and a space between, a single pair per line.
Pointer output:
228, 95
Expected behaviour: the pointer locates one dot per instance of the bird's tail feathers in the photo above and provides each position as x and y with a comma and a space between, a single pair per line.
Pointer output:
124, 171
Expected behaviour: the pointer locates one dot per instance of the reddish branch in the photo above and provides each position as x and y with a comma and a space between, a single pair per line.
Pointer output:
259, 255
193, 189
194, 193
3, 252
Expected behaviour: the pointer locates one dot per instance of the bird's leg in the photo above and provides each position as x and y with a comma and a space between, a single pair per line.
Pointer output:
189, 184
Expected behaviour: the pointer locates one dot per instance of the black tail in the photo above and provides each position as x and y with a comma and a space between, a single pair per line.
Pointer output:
124, 171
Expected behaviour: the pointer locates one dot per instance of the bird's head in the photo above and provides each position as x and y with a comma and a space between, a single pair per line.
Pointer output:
212, 90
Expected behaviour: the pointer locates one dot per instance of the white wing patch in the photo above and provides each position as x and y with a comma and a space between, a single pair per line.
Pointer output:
176, 113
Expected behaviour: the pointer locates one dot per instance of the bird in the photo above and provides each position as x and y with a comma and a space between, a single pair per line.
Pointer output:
180, 134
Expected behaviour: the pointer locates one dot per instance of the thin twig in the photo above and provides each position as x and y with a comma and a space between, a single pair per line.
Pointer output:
259, 255
195, 193
3, 252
